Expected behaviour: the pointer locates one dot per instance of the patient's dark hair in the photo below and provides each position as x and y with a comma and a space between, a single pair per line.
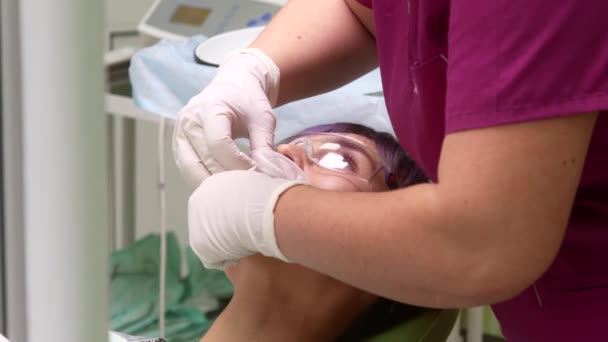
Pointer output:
396, 160
384, 314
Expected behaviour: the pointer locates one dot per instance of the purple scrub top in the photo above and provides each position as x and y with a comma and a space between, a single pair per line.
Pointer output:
449, 66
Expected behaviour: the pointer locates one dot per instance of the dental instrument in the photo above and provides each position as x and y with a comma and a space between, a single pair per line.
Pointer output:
181, 19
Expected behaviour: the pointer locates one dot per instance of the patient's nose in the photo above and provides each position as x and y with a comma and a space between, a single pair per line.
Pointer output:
294, 152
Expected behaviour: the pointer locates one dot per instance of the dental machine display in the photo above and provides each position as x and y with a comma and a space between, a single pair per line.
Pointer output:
181, 19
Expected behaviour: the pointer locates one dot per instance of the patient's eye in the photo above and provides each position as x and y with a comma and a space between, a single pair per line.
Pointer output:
338, 160
350, 160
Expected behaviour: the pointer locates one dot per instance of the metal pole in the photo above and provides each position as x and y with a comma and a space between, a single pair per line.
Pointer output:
111, 186
64, 158
128, 181
12, 165
475, 324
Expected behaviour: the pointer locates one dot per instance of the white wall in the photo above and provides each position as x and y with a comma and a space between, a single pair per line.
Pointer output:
125, 14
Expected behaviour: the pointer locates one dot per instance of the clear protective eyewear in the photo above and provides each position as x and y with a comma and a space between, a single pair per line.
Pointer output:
344, 156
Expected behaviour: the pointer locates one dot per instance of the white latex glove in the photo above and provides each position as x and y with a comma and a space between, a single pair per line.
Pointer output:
277, 165
236, 104
231, 216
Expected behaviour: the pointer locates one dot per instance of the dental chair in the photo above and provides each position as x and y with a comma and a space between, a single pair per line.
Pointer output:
430, 326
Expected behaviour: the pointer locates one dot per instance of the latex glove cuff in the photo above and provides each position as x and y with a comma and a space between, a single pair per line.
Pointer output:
268, 245
231, 216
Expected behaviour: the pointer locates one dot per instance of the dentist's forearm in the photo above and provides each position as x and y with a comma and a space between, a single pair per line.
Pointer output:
318, 46
393, 258
489, 227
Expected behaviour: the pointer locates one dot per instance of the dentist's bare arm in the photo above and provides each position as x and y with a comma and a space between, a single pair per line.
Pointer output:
318, 45
486, 231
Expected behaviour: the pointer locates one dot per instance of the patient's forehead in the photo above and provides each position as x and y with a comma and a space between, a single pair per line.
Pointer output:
368, 142
324, 180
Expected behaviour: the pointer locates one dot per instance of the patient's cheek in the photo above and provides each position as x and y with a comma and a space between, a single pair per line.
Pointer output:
329, 182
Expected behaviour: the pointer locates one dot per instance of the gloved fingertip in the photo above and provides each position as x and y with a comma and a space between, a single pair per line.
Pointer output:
277, 165
245, 162
261, 138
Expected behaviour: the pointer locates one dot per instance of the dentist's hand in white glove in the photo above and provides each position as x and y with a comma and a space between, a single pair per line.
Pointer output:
231, 216
236, 104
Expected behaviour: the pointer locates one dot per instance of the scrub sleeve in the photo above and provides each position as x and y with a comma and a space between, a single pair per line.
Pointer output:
450, 66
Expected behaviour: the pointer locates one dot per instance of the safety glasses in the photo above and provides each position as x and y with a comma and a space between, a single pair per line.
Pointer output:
344, 156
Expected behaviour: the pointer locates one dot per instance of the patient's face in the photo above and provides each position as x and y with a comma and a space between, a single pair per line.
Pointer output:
328, 180
259, 280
